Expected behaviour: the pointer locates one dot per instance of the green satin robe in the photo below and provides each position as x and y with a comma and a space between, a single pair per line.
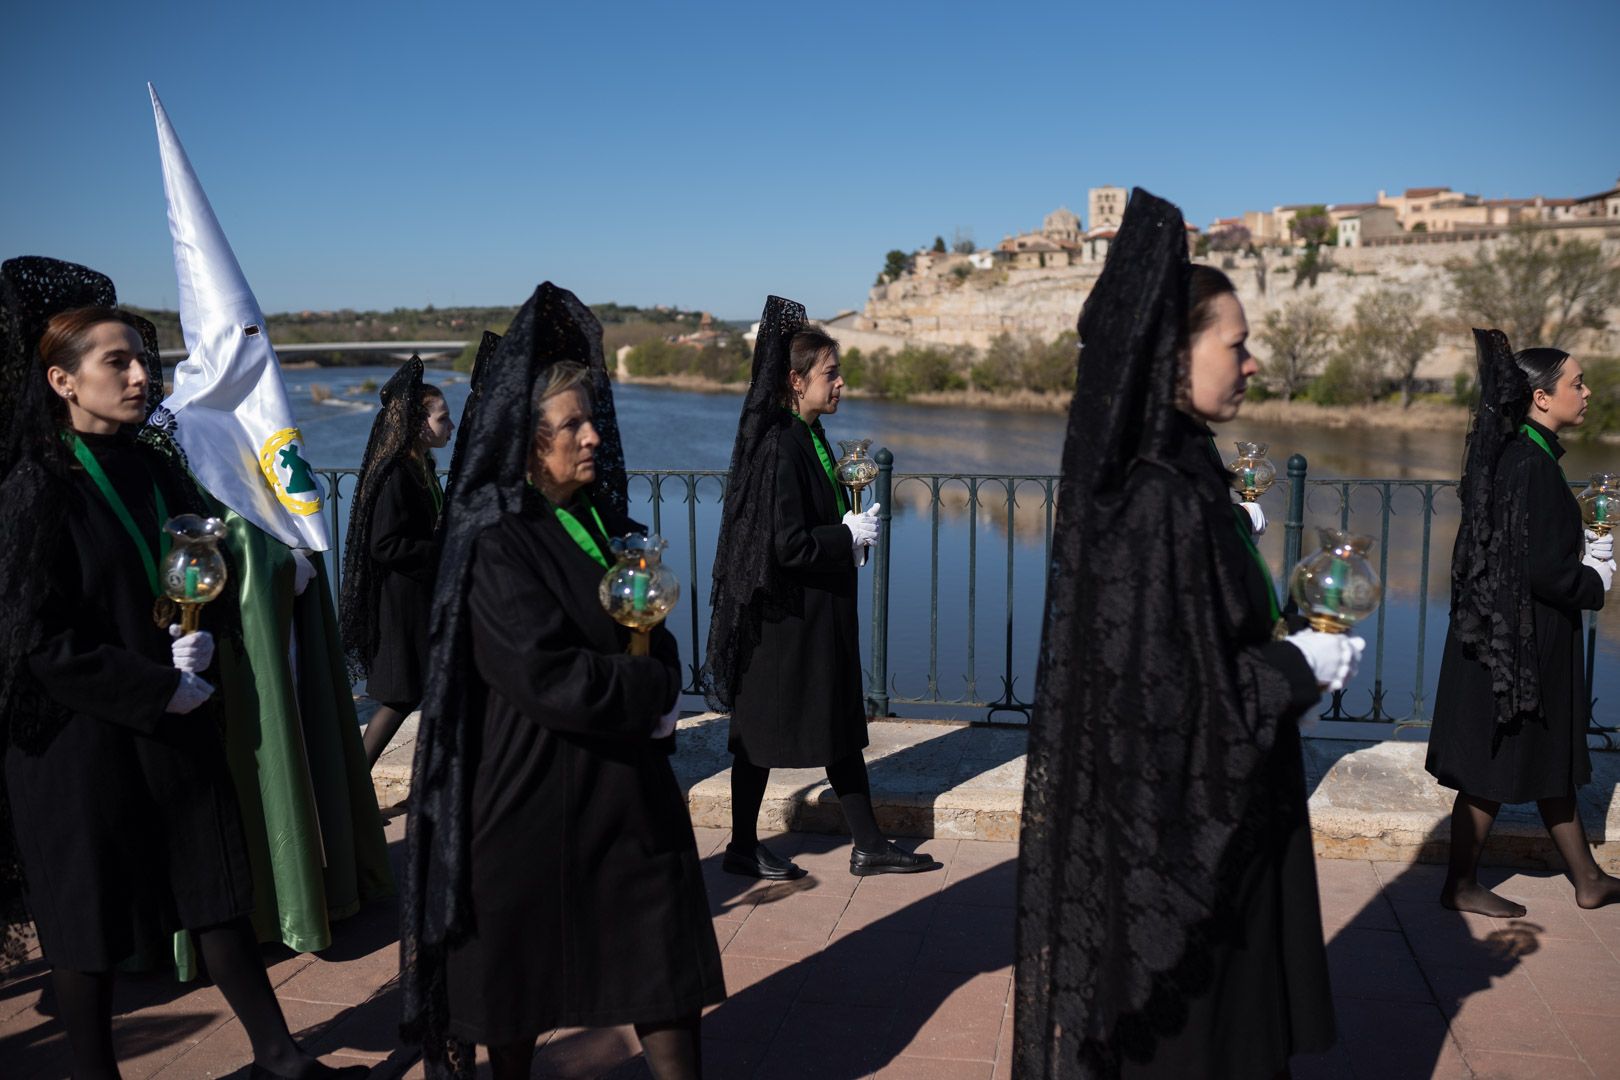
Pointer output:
314, 832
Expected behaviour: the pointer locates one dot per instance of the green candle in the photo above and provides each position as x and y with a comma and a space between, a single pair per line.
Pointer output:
638, 591
191, 583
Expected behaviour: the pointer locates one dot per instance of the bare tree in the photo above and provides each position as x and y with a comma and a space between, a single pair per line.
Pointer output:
1235, 238
1391, 334
1298, 339
1538, 289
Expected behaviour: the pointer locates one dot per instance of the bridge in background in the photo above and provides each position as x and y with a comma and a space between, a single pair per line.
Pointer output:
397, 350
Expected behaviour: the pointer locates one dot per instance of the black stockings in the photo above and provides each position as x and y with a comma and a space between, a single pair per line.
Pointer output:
231, 955
1593, 888
84, 1002
674, 1048
674, 1051
848, 779
1471, 820
382, 727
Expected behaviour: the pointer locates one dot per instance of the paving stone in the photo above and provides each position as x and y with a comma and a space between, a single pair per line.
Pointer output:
950, 1016
1493, 1065
1504, 1013
917, 1068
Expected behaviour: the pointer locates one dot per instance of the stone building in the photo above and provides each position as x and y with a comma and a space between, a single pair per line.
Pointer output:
1369, 223
1062, 225
1105, 207
1605, 204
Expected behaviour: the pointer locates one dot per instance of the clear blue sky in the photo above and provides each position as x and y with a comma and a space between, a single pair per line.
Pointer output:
372, 155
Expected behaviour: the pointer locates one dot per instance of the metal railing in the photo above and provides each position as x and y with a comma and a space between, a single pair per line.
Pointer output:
957, 581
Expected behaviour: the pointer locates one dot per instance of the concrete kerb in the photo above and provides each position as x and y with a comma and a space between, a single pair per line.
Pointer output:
1370, 799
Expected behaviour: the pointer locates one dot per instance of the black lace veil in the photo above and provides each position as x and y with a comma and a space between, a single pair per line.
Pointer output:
394, 434
1492, 611
475, 382
1149, 725
488, 479
746, 584
35, 470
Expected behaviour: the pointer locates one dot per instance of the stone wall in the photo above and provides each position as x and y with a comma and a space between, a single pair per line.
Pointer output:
1043, 303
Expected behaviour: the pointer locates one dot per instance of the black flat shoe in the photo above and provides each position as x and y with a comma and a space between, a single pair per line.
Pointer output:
891, 860
761, 864
315, 1070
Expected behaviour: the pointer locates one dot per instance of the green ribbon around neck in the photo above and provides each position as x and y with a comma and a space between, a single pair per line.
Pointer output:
149, 556
433, 487
1536, 437
826, 464
582, 536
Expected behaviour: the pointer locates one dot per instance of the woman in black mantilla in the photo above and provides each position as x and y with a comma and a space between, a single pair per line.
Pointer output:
784, 646
1168, 922
392, 553
553, 879
1510, 711
123, 811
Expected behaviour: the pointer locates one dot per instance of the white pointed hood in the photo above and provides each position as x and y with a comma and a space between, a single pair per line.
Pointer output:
229, 405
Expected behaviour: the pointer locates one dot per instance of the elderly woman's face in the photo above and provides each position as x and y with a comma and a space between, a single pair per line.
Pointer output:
565, 445
1219, 365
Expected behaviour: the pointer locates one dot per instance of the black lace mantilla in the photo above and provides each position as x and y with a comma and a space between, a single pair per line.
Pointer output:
746, 583
487, 480
1492, 609
1149, 729
395, 433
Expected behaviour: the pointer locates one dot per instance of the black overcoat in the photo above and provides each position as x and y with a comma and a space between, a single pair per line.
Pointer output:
798, 699
406, 557
1541, 756
587, 893
125, 815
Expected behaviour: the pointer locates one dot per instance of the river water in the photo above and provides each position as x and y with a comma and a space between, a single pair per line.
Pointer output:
968, 575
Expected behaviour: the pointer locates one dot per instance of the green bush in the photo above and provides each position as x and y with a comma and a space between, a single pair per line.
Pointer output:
1343, 382
1001, 366
1051, 368
1603, 410
1462, 388
658, 357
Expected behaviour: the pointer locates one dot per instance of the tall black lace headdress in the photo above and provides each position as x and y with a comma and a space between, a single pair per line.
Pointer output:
35, 494
394, 435
746, 586
1492, 611
475, 383
487, 480
1147, 731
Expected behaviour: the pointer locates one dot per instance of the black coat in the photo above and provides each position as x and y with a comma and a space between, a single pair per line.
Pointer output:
798, 701
1542, 756
588, 900
126, 818
407, 556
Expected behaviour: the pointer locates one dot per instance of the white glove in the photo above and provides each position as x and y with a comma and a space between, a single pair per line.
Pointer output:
191, 692
1600, 548
666, 725
303, 571
1604, 568
1256, 515
1333, 657
191, 652
863, 528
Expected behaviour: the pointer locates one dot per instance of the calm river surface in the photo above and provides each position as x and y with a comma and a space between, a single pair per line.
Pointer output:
966, 590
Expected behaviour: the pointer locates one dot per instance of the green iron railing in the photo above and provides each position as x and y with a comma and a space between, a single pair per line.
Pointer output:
688, 501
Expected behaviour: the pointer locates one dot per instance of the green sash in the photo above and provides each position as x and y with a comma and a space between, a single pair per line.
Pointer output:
432, 481
149, 558
1536, 437
826, 465
587, 543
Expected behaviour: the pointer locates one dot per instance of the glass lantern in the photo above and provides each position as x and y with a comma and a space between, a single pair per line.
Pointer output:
638, 590
193, 572
1336, 587
1600, 503
1251, 472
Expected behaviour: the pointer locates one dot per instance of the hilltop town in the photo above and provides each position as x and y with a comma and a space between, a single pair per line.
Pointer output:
1033, 284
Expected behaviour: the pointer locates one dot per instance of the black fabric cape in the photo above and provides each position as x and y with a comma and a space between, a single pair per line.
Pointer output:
1153, 743
747, 585
587, 886
390, 556
1540, 589
797, 701
488, 480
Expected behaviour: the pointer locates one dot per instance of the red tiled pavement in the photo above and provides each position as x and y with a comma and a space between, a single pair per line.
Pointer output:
838, 978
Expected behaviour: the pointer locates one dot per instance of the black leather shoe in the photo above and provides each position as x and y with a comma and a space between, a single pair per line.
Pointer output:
761, 863
890, 860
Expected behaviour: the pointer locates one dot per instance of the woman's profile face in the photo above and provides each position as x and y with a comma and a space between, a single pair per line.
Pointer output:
1565, 407
437, 426
1219, 364
819, 391
110, 385
567, 458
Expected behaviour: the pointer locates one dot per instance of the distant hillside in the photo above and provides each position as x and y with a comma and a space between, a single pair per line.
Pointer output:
622, 324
